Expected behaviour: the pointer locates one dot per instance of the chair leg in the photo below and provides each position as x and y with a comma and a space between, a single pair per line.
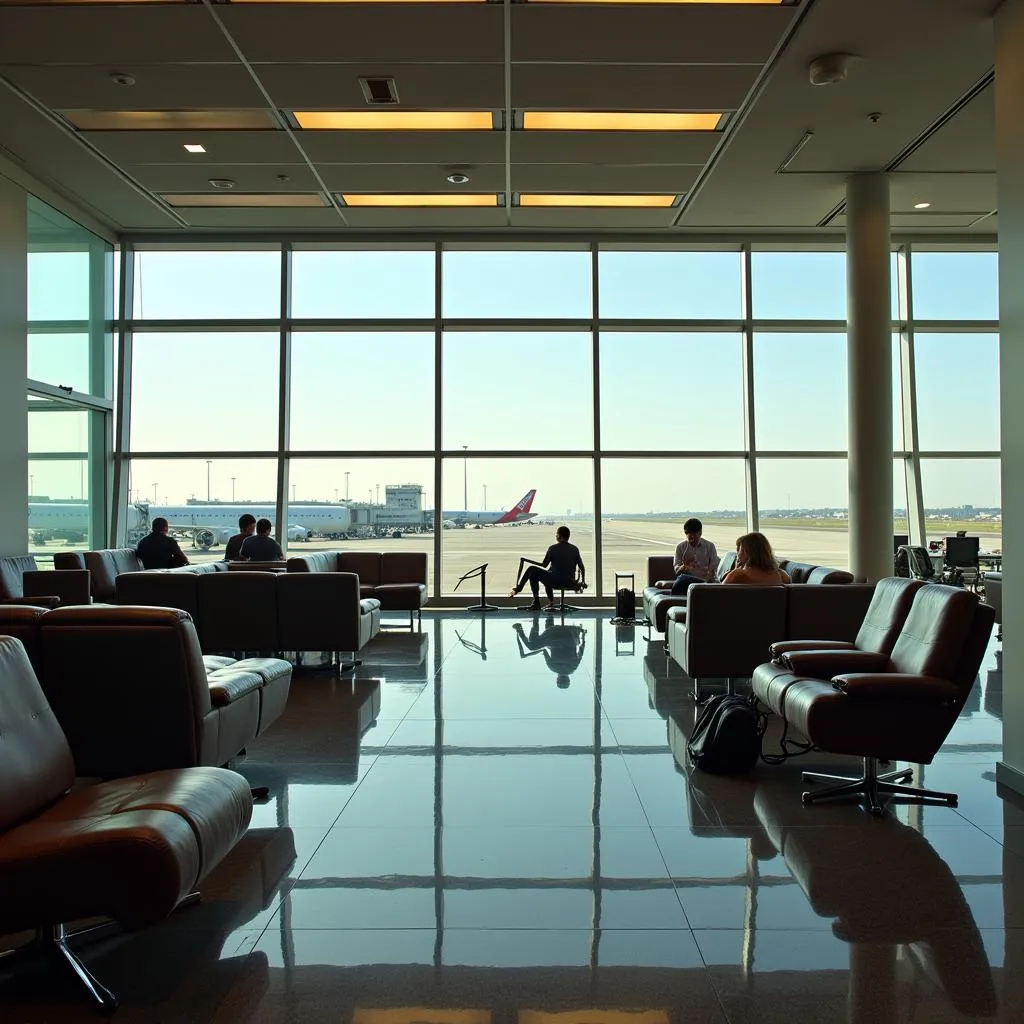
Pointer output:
54, 944
874, 790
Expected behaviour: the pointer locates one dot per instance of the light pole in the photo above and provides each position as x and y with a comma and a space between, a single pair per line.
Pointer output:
335, 493
208, 463
293, 494
346, 485
232, 490
465, 478
31, 485
378, 494
156, 501
485, 497
370, 499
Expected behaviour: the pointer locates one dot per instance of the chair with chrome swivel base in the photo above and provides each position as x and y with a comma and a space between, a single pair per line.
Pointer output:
577, 587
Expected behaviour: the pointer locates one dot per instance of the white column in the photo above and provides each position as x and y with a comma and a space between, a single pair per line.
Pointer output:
1009, 36
869, 361
13, 369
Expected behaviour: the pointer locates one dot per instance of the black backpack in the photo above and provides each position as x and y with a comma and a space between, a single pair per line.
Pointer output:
726, 738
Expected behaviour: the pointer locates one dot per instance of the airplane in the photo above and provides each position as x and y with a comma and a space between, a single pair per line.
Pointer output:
215, 524
519, 513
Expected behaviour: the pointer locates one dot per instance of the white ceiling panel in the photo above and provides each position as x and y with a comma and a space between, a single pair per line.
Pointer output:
195, 177
621, 148
399, 147
373, 33
222, 147
110, 35
425, 219
569, 219
641, 34
964, 143
157, 86
595, 179
410, 178
420, 86
256, 219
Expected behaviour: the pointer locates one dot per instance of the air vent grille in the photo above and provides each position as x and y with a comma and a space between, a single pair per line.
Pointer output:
379, 91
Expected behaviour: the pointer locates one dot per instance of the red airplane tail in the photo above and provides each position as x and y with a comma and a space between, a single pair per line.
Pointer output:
519, 509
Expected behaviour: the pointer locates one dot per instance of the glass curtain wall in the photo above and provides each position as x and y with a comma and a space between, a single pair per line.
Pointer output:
69, 348
465, 400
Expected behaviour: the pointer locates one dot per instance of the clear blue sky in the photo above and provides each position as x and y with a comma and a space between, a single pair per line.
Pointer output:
374, 390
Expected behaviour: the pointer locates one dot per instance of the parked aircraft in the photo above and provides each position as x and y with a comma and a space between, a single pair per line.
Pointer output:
519, 513
214, 524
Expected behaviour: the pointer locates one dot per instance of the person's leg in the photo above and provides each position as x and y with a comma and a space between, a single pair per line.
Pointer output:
683, 583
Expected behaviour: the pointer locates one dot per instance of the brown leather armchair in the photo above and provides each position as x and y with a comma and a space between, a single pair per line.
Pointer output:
130, 850
23, 582
885, 707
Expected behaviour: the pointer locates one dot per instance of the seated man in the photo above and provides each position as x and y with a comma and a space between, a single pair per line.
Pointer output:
562, 647
564, 559
262, 547
696, 560
159, 551
247, 527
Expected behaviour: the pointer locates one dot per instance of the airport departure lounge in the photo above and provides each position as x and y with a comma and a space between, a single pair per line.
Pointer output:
504, 511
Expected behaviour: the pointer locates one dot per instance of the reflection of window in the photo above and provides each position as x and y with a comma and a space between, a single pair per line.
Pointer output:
516, 284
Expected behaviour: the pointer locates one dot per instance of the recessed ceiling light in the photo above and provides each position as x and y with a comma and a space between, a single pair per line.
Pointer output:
921, 206
194, 147
570, 199
622, 121
395, 120
222, 183
458, 178
420, 199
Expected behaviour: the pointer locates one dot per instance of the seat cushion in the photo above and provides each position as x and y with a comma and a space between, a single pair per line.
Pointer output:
396, 597
232, 683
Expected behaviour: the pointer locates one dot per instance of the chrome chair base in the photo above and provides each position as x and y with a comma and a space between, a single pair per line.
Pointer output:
874, 790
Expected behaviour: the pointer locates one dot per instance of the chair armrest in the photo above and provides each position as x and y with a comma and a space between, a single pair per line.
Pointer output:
781, 647
229, 684
825, 664
42, 601
897, 685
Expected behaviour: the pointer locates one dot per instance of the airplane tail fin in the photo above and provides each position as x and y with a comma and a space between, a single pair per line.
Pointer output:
520, 508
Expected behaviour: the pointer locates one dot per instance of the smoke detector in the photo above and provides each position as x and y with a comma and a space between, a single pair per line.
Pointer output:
224, 183
829, 68
458, 178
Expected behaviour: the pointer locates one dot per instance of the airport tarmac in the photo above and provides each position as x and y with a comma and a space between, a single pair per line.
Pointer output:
627, 543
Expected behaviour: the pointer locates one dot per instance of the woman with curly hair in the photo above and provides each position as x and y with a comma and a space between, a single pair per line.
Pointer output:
755, 562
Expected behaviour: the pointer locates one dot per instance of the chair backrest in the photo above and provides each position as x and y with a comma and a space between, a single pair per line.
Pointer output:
35, 759
938, 633
22, 622
726, 565
798, 571
12, 568
825, 574
106, 566
660, 567
104, 667
914, 560
886, 614
962, 551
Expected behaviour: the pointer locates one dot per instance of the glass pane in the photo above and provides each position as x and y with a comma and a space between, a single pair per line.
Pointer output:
350, 285
646, 501
478, 493
547, 394
708, 366
340, 380
61, 359
804, 509
957, 391
670, 285
813, 367
897, 396
200, 498
362, 499
799, 285
516, 284
207, 285
955, 285
963, 494
205, 392
60, 496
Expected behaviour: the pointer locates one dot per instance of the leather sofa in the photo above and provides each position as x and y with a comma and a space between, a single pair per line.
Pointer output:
133, 692
22, 581
726, 631
261, 611
130, 850
106, 565
398, 579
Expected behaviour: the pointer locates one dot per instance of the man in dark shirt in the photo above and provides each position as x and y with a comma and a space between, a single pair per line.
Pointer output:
262, 547
157, 550
247, 527
564, 559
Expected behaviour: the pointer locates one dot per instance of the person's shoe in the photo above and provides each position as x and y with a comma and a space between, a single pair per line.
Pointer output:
515, 591
535, 607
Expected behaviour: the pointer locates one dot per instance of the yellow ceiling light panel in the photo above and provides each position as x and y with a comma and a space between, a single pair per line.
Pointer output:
747, 3
419, 199
622, 121
395, 120
167, 120
245, 199
329, 1
578, 199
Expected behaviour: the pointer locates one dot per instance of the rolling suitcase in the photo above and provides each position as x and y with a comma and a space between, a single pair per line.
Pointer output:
625, 597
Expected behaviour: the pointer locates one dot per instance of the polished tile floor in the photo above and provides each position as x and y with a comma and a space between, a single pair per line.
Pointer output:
491, 824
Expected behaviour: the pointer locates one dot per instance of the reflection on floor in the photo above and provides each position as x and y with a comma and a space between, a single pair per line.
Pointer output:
492, 823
